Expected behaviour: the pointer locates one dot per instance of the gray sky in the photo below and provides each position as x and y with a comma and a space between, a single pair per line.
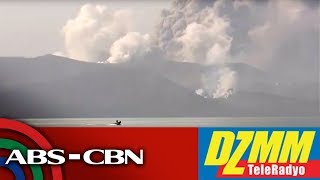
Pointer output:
34, 28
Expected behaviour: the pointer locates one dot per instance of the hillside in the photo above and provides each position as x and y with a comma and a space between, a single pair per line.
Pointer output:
51, 86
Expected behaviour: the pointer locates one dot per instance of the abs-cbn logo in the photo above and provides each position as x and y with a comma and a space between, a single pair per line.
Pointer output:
57, 157
16, 151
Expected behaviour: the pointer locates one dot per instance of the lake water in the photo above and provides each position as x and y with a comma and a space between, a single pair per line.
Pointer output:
180, 122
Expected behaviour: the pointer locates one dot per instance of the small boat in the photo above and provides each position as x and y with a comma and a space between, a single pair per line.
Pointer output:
117, 123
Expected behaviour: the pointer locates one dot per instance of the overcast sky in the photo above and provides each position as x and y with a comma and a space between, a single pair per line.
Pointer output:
34, 28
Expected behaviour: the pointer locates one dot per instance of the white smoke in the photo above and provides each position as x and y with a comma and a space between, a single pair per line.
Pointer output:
218, 84
98, 34
195, 31
58, 53
226, 83
89, 36
212, 33
237, 4
131, 46
279, 22
189, 32
203, 44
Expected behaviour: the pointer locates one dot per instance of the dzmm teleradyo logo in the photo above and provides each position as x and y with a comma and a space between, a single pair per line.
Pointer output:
259, 153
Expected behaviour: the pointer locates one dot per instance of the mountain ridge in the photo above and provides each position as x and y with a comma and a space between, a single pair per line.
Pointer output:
50, 86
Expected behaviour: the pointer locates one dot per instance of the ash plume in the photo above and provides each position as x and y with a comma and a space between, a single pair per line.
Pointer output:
213, 33
90, 35
282, 23
196, 31
218, 84
132, 46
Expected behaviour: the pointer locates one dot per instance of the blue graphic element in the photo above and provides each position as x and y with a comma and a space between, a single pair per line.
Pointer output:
14, 167
210, 172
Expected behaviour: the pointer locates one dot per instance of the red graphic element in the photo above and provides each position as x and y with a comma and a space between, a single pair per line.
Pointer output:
35, 136
6, 174
311, 170
169, 153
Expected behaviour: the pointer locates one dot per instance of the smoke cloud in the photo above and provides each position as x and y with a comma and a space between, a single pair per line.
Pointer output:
281, 38
283, 20
90, 35
131, 46
195, 31
218, 84
265, 34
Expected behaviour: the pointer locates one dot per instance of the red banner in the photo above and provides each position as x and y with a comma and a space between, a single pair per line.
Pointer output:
169, 153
